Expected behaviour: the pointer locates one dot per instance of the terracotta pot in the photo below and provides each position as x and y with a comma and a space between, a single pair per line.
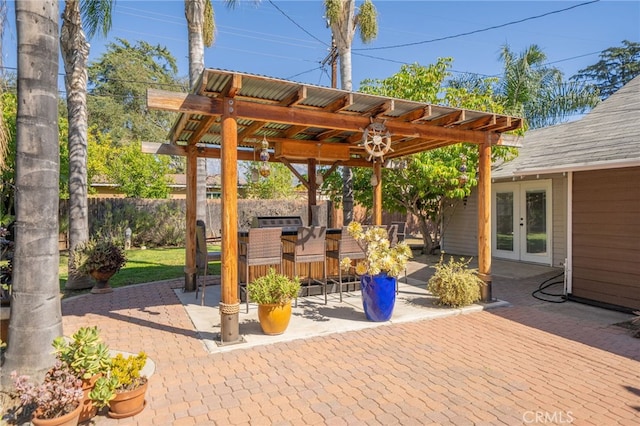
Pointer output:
274, 319
128, 403
102, 281
88, 410
70, 419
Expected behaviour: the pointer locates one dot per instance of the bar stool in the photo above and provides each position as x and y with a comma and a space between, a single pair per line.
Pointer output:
310, 247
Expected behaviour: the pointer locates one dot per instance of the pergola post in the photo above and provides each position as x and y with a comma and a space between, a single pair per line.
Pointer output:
191, 201
311, 189
377, 193
229, 304
484, 219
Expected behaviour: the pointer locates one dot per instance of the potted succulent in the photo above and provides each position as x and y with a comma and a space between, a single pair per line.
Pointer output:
273, 294
89, 359
124, 389
55, 401
379, 270
100, 258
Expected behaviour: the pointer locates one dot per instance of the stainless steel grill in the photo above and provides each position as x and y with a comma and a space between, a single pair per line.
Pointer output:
287, 223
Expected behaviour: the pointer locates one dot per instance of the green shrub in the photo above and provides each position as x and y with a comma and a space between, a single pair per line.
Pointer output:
454, 283
273, 288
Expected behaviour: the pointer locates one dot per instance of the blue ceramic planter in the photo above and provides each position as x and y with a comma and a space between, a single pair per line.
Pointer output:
378, 296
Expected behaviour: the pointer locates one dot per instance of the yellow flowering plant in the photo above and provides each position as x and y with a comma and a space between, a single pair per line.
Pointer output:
380, 256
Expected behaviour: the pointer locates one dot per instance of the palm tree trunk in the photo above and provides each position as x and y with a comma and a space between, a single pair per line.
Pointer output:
194, 12
343, 31
75, 52
36, 317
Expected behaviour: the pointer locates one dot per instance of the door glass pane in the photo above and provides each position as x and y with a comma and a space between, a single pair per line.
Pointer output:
504, 221
536, 221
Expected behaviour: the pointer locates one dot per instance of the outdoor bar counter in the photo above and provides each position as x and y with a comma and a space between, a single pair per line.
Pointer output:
305, 270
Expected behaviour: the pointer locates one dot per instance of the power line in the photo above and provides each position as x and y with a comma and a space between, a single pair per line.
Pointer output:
296, 24
519, 21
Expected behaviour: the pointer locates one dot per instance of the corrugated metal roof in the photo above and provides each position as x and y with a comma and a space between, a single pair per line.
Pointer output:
295, 111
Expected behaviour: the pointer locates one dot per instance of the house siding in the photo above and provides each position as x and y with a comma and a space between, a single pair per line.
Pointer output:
461, 227
461, 231
606, 236
559, 219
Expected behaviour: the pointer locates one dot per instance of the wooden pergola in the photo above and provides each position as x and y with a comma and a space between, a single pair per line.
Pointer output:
229, 114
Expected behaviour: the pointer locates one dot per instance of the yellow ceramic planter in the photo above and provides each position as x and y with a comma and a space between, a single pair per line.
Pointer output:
274, 319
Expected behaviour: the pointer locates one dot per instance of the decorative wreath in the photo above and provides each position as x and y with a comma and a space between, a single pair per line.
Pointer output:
376, 140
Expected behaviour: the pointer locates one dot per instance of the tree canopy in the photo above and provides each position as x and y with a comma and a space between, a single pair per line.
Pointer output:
277, 185
426, 182
617, 66
118, 81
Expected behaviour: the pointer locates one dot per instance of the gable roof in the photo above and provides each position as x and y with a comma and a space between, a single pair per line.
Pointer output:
607, 137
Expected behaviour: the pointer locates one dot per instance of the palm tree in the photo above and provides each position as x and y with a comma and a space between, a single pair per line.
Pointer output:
75, 53
537, 92
200, 25
344, 21
36, 317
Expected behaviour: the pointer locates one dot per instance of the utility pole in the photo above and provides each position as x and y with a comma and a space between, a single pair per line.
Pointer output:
333, 58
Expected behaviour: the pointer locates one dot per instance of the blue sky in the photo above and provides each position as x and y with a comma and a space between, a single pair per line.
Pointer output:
289, 39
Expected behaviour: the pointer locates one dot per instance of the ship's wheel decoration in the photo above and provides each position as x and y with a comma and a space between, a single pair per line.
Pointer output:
376, 140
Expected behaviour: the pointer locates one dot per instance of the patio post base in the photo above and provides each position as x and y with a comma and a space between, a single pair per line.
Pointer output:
229, 322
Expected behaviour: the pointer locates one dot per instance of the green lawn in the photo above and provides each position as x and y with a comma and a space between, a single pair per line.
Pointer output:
145, 266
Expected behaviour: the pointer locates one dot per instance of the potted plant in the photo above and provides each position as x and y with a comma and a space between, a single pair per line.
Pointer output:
55, 401
124, 389
379, 270
89, 359
100, 258
6, 269
273, 294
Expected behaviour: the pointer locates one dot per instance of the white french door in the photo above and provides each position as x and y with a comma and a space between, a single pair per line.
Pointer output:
521, 221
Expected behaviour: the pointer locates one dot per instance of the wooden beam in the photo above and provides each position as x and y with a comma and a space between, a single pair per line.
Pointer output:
250, 129
294, 130
165, 100
253, 111
478, 122
380, 109
232, 87
339, 104
447, 119
484, 219
172, 101
303, 150
163, 148
296, 173
331, 169
417, 114
243, 155
377, 193
328, 134
295, 98
202, 129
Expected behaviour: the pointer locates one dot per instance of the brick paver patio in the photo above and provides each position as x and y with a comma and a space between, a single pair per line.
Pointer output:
523, 364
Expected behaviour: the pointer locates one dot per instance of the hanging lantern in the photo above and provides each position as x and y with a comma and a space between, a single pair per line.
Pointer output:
265, 171
264, 157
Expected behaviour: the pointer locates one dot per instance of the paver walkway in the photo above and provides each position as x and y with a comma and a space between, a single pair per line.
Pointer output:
531, 363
